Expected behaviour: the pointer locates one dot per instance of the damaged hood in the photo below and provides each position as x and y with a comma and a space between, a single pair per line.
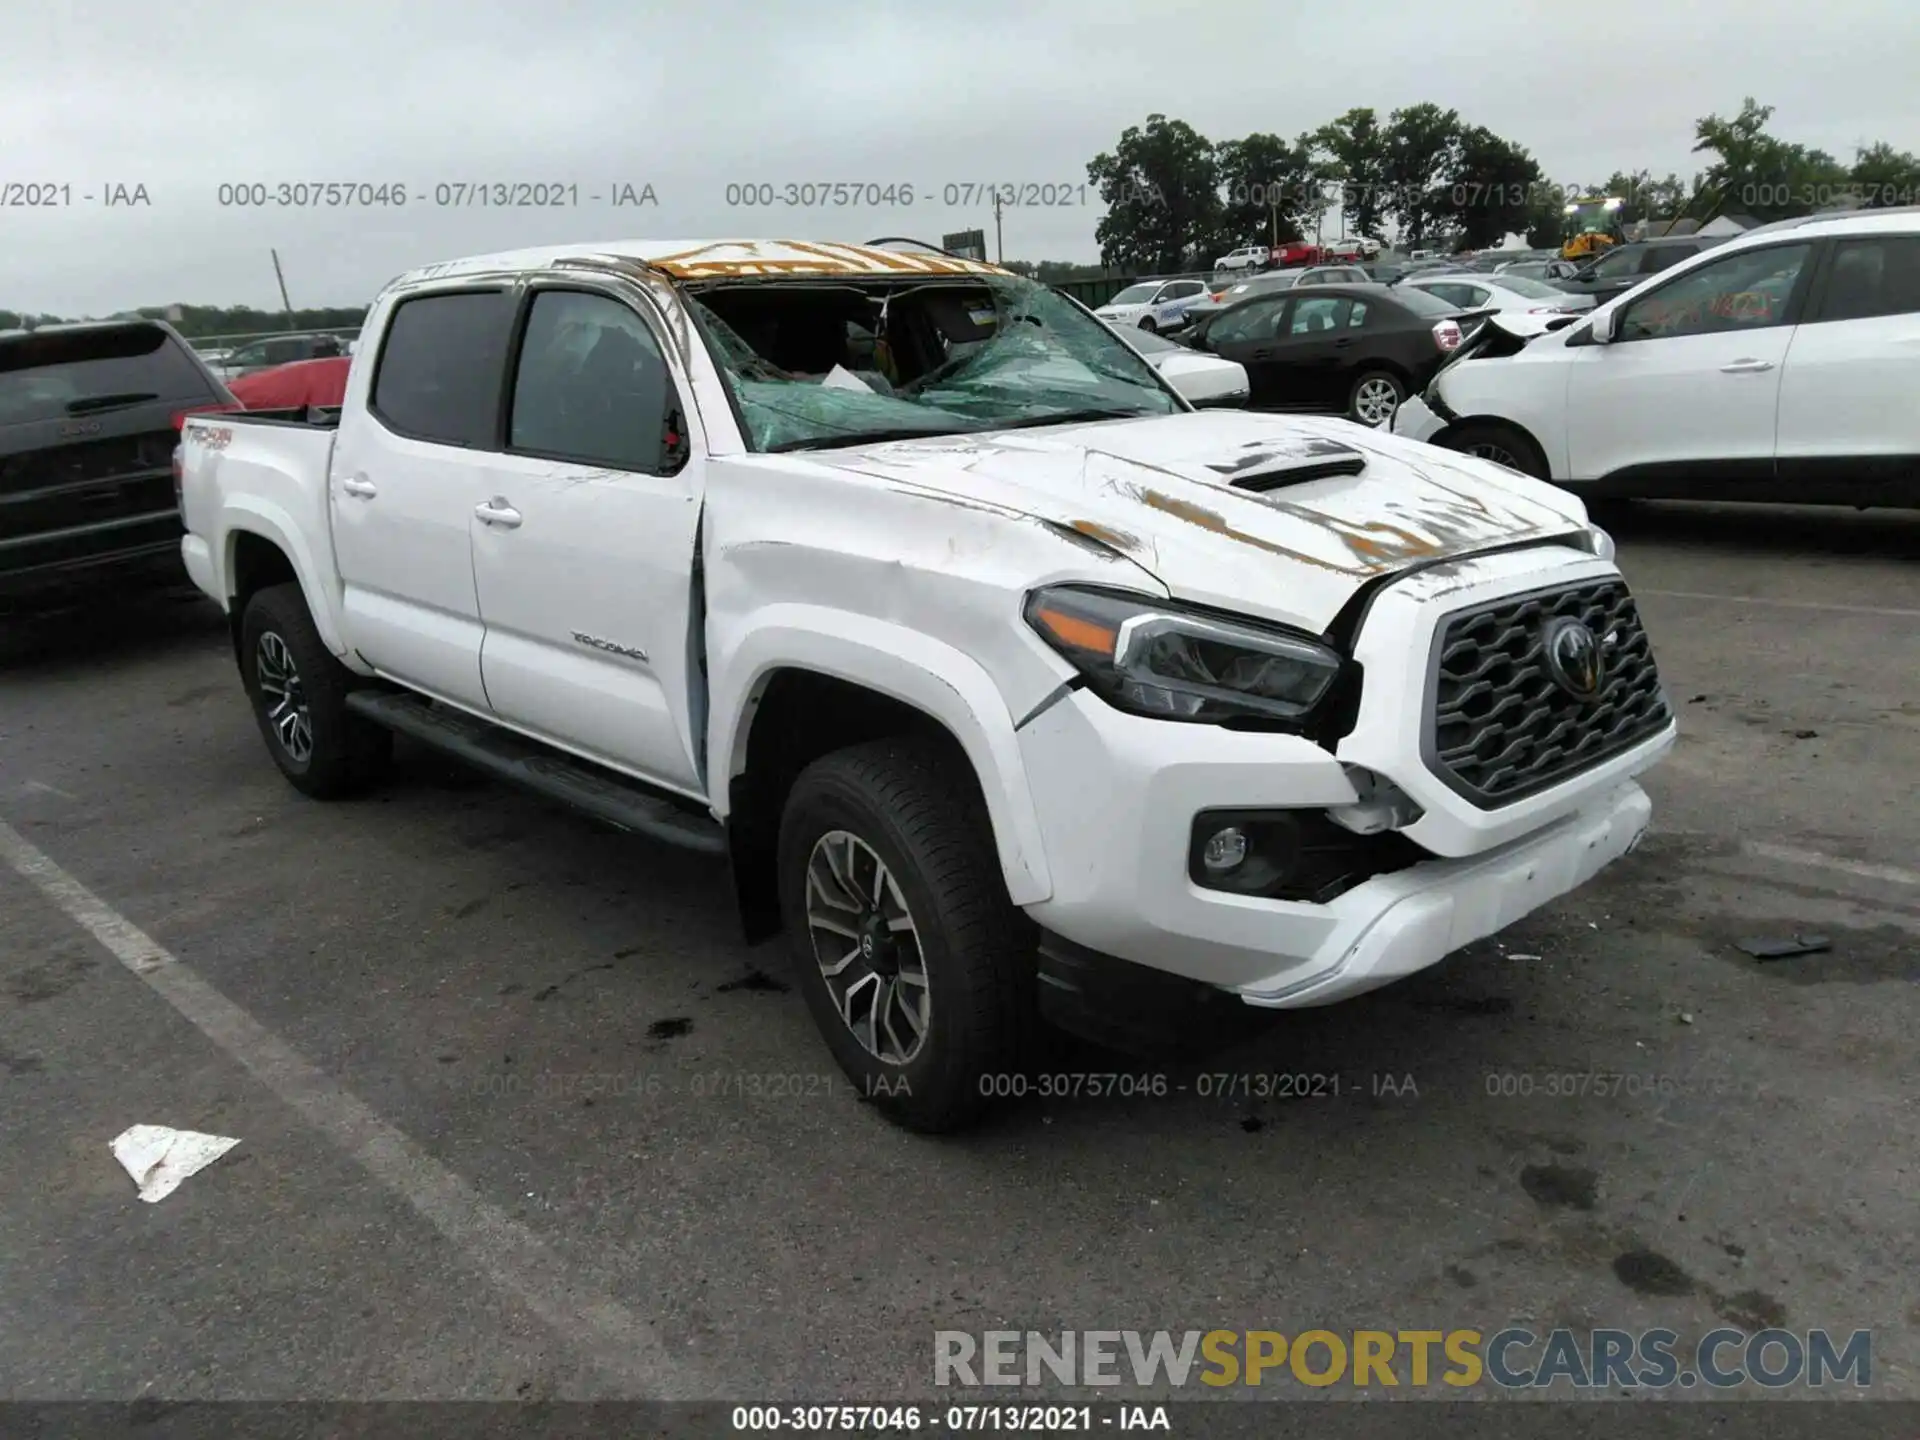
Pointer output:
1282, 517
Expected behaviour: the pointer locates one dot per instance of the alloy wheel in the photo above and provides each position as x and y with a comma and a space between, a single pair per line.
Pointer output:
1498, 454
284, 697
1376, 401
867, 947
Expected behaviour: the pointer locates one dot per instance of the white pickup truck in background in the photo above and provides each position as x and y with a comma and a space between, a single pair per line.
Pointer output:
1011, 686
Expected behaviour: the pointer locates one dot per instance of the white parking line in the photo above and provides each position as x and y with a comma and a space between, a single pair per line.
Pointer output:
1886, 610
1865, 869
607, 1335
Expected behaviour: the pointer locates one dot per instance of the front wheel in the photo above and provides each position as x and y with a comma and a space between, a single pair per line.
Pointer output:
919, 970
299, 694
1375, 397
1502, 445
1146, 324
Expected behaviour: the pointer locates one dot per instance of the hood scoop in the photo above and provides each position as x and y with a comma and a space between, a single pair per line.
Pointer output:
1265, 467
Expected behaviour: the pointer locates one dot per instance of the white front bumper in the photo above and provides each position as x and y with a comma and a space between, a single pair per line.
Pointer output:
1117, 795
1416, 421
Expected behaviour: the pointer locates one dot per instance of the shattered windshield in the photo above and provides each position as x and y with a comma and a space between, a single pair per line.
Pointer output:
820, 365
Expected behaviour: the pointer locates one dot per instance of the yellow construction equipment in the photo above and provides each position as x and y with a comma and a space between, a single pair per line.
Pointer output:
1592, 225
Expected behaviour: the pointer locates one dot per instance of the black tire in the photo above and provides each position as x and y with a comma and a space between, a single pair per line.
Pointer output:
916, 806
1146, 324
1501, 444
1363, 387
343, 753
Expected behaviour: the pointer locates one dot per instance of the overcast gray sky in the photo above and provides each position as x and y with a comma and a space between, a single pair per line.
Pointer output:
185, 96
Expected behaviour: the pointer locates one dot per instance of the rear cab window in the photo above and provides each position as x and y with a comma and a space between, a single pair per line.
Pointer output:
442, 362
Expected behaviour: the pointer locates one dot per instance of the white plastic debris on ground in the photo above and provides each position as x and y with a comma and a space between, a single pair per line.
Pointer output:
159, 1158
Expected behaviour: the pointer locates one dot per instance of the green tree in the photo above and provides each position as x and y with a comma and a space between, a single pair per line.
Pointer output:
1355, 151
1161, 186
1271, 190
1884, 176
1423, 147
1758, 174
1492, 189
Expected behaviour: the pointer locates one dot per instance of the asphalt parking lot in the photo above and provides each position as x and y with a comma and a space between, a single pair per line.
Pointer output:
521, 1118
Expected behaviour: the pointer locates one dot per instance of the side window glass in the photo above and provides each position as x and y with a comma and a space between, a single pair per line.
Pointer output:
440, 367
592, 385
1357, 316
1476, 296
1873, 277
1747, 291
1320, 312
1255, 321
1659, 257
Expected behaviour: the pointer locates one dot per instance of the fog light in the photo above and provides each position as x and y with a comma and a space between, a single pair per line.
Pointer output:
1225, 850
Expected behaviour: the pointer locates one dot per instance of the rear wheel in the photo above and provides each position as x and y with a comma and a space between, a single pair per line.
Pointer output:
1501, 444
299, 693
1375, 397
919, 971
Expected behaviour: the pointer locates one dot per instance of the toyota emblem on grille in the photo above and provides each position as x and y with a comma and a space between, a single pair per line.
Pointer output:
1574, 657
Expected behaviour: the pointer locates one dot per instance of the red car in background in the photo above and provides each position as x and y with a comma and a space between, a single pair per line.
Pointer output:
304, 382
1296, 252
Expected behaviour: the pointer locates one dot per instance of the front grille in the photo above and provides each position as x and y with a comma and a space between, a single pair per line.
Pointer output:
1502, 727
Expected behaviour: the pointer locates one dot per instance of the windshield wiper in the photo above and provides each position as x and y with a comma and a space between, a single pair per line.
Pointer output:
1075, 417
109, 402
858, 437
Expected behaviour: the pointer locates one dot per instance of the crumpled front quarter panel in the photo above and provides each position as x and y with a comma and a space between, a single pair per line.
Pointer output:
909, 593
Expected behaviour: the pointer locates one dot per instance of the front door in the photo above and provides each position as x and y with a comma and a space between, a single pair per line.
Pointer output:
1246, 334
583, 543
1686, 397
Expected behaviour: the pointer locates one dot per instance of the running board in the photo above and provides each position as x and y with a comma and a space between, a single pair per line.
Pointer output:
578, 784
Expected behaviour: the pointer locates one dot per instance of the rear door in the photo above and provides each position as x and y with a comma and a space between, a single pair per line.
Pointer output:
86, 444
583, 554
1848, 423
408, 470
1309, 345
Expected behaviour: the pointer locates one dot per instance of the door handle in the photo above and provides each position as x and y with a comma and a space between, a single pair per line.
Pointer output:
364, 488
1746, 367
1263, 354
1343, 342
498, 512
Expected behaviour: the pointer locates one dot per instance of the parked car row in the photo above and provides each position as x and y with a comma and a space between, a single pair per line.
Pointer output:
1778, 365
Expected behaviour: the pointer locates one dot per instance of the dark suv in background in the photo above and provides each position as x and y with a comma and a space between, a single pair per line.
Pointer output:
1625, 266
87, 430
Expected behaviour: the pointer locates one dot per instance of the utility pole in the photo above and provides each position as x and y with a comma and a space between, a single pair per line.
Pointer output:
284, 301
999, 253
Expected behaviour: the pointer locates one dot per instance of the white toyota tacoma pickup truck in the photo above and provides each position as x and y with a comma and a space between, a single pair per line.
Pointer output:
1011, 686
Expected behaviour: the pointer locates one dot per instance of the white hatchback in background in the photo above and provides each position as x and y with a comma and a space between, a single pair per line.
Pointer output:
1780, 366
1500, 292
1153, 304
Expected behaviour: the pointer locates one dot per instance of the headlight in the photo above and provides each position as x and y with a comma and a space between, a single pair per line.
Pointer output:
1150, 658
1603, 545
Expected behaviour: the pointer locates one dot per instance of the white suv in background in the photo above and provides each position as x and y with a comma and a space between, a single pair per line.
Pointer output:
1779, 366
1247, 257
1153, 304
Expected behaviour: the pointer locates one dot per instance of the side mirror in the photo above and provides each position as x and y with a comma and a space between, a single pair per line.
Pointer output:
1606, 327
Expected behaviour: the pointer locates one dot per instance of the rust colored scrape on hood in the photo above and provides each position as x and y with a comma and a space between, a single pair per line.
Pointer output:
1157, 490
